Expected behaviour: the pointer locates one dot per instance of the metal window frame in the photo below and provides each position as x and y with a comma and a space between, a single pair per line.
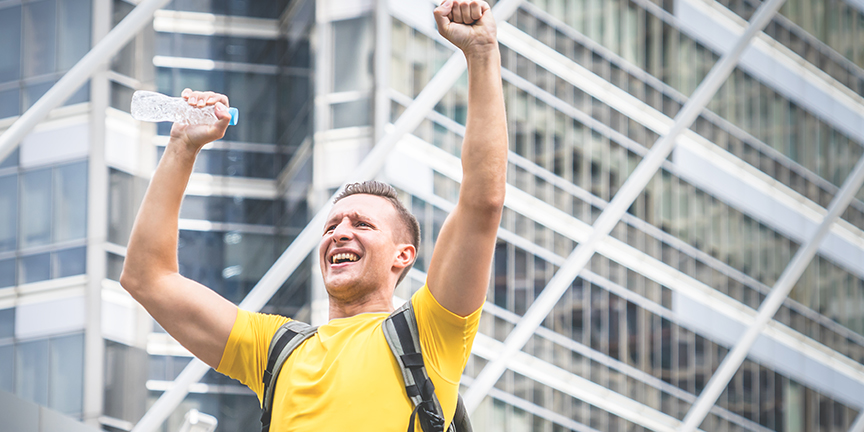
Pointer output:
772, 303
610, 216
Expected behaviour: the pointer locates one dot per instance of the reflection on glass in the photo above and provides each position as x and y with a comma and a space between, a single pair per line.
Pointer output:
7, 273
10, 49
74, 25
35, 208
7, 323
32, 93
121, 96
114, 266
8, 212
34, 268
352, 61
11, 160
9, 101
124, 196
31, 363
66, 374
70, 262
70, 202
39, 38
351, 114
7, 369
80, 96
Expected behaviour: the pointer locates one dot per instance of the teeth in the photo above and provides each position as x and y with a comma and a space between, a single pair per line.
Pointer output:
343, 257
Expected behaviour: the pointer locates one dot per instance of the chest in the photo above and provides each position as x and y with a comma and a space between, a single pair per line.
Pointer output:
352, 373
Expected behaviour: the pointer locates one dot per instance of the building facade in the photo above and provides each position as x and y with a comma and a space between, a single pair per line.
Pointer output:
590, 87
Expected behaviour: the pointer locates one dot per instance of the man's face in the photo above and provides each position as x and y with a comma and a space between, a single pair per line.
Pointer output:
360, 246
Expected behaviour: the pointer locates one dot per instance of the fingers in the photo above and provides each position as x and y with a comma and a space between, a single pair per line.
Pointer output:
442, 13
202, 99
464, 11
476, 11
222, 114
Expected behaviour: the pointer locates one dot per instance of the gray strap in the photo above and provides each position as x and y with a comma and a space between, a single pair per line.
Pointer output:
286, 339
404, 342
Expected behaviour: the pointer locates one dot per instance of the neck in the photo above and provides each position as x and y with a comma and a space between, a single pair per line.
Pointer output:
378, 301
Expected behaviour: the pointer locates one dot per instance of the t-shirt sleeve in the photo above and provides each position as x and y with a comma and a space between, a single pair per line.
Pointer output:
245, 355
446, 338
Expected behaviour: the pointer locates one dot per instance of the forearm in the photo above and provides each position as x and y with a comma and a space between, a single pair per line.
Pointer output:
152, 250
484, 151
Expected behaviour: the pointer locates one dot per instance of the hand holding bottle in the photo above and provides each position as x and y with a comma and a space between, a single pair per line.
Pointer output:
195, 136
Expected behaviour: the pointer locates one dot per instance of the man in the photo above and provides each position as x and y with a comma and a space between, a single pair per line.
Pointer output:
345, 378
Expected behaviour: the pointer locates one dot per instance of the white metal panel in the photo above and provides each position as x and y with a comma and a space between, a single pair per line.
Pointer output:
56, 142
50, 317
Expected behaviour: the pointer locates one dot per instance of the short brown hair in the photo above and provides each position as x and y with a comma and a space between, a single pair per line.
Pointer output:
384, 190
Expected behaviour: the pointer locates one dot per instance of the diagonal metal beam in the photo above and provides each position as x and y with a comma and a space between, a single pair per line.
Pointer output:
775, 298
81, 72
306, 241
607, 220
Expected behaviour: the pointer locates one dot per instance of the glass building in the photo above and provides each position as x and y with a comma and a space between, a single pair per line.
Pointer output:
590, 86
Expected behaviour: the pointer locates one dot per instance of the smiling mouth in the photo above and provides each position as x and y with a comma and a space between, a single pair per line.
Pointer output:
343, 258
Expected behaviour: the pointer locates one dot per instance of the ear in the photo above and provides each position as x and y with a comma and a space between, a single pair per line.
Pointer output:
407, 254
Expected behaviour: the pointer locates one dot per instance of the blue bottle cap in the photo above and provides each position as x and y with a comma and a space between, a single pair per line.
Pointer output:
235, 116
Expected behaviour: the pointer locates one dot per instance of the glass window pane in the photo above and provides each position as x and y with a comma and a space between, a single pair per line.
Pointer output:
70, 262
35, 208
70, 205
32, 93
39, 37
7, 323
352, 62
114, 266
350, 114
124, 196
31, 363
34, 268
11, 160
10, 49
74, 40
80, 96
8, 212
7, 369
10, 104
7, 273
121, 97
66, 376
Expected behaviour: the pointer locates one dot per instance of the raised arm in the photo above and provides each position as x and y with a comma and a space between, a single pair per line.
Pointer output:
461, 262
193, 314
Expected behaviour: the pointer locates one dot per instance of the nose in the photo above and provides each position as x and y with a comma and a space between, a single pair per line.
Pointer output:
343, 232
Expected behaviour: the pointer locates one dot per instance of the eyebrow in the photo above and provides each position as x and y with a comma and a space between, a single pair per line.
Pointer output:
353, 214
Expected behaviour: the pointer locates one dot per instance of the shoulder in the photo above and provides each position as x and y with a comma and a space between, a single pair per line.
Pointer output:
431, 315
255, 325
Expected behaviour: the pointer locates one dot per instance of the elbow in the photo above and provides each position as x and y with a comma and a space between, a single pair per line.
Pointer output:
489, 204
129, 282
132, 279
492, 200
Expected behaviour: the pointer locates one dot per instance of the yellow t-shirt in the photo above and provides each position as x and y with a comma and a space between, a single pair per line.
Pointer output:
345, 377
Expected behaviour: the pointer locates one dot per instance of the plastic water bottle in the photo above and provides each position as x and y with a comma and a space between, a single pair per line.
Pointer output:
157, 107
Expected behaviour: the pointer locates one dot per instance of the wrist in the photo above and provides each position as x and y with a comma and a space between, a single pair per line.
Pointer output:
179, 147
483, 57
485, 54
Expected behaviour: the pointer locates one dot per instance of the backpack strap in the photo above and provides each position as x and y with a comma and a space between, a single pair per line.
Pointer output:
287, 338
400, 330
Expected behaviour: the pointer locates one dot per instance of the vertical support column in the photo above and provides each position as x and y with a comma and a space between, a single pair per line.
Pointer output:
97, 226
322, 46
382, 68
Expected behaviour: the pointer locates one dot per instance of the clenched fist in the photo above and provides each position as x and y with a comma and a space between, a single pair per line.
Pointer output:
468, 24
196, 136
